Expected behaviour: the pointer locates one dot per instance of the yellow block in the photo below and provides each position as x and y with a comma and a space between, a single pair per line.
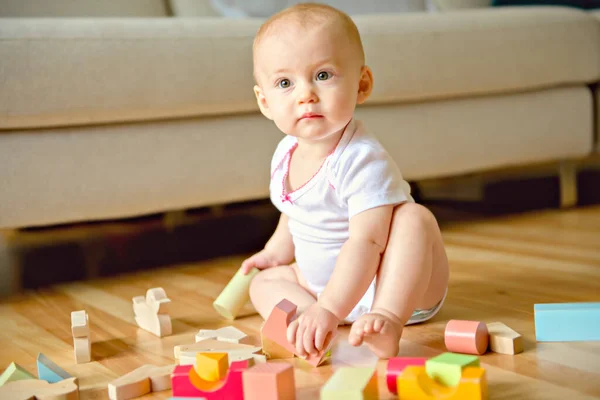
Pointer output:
212, 366
415, 384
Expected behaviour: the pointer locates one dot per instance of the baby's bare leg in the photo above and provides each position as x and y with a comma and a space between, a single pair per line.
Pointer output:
272, 285
413, 274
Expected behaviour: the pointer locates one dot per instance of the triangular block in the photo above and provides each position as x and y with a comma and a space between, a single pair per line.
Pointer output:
14, 372
49, 371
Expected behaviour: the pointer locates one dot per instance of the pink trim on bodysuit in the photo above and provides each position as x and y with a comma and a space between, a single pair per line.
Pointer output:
286, 196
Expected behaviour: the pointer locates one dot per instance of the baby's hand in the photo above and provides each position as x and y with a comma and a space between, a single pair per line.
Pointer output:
312, 331
260, 260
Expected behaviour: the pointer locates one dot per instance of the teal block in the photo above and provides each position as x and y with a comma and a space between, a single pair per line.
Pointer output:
49, 371
567, 322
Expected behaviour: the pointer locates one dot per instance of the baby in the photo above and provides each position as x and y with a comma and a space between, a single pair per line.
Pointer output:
365, 253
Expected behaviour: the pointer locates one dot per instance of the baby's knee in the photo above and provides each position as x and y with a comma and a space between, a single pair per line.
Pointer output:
415, 215
266, 277
257, 283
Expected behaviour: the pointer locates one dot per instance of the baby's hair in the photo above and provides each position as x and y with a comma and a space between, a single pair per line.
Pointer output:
311, 14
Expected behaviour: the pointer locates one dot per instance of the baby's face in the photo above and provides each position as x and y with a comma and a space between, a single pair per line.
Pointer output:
308, 80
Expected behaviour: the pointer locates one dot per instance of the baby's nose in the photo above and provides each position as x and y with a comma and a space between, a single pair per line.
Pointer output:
307, 94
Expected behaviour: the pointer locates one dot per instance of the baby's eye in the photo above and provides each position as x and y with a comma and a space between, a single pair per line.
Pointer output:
323, 76
284, 83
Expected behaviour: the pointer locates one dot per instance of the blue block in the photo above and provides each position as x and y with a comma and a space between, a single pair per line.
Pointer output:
49, 371
567, 322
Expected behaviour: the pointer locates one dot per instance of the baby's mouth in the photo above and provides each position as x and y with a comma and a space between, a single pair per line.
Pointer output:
310, 116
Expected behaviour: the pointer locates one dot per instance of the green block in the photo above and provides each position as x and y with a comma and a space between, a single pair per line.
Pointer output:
447, 367
14, 372
351, 383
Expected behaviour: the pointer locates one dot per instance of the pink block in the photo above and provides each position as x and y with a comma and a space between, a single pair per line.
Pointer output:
275, 328
269, 381
395, 366
229, 388
469, 337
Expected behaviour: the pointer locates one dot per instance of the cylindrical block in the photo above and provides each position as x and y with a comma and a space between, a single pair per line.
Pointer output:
235, 294
468, 337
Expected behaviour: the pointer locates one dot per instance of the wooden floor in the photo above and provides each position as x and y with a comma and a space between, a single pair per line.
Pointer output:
500, 267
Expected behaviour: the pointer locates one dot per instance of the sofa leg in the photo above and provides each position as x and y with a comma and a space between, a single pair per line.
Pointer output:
567, 171
172, 219
9, 269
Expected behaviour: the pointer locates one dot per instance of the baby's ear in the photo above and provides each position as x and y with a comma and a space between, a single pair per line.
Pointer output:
262, 102
365, 84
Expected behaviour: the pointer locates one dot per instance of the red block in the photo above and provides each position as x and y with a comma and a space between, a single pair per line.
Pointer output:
229, 388
396, 365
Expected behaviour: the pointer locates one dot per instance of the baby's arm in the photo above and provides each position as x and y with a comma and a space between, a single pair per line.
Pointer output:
279, 250
358, 261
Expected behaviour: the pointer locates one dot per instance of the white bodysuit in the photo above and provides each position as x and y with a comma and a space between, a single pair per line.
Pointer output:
358, 175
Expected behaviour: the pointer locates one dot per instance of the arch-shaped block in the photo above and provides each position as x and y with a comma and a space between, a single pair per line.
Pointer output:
185, 382
415, 384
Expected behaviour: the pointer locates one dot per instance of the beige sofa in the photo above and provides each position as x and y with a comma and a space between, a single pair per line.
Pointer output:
142, 110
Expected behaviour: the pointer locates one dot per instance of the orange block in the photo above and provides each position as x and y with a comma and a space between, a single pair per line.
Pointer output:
212, 366
269, 381
273, 335
415, 384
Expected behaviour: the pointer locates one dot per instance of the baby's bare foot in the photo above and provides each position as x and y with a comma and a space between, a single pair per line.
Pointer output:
378, 332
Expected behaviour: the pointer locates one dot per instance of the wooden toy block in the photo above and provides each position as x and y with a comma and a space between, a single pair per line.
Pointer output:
269, 381
415, 384
80, 326
49, 371
447, 367
351, 383
143, 380
503, 339
273, 335
151, 312
14, 372
185, 382
215, 346
227, 334
35, 389
567, 322
275, 351
82, 348
211, 366
82, 342
235, 294
253, 359
469, 337
395, 366
158, 300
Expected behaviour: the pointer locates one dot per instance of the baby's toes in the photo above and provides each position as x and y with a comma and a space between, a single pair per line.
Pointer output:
369, 326
356, 333
378, 325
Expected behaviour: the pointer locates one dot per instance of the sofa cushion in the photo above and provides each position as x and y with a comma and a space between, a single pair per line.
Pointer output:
79, 71
125, 170
83, 8
452, 5
583, 4
264, 9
